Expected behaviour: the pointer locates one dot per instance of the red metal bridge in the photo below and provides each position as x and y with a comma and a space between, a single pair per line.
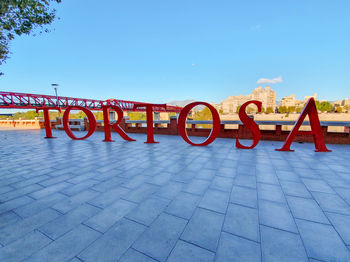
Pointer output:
33, 101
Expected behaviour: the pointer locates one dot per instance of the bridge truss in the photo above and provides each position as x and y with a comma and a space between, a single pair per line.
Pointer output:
33, 101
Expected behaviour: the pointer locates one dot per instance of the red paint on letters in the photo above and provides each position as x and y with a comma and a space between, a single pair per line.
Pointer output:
316, 130
89, 114
248, 122
115, 126
149, 117
182, 123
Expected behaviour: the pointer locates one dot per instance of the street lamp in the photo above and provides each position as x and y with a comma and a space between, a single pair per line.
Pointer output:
55, 86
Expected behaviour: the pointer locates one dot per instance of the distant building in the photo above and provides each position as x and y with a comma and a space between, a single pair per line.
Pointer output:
306, 98
290, 101
346, 102
267, 96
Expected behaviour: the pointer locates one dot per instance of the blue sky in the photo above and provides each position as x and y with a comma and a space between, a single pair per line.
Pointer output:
159, 51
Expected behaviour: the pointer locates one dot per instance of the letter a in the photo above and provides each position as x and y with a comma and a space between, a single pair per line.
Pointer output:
316, 130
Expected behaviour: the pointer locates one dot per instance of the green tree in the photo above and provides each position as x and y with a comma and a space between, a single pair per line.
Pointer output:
204, 114
324, 106
282, 109
291, 109
19, 17
269, 110
250, 110
136, 116
237, 109
339, 109
99, 115
347, 108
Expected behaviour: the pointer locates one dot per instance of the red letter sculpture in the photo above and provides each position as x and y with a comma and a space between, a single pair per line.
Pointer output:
316, 130
248, 122
115, 126
182, 123
47, 121
89, 114
149, 115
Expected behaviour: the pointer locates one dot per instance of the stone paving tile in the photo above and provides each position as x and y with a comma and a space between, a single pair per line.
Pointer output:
49, 190
244, 196
278, 245
134, 256
109, 184
291, 188
114, 243
170, 190
107, 198
29, 181
245, 180
341, 224
322, 242
106, 218
242, 221
183, 205
36, 206
24, 247
215, 200
204, 229
287, 176
160, 238
170, 201
270, 192
317, 185
147, 211
8, 218
331, 203
235, 249
307, 209
197, 186
222, 183
68, 246
186, 252
141, 193
276, 215
75, 189
69, 221
206, 174
25, 226
19, 192
54, 180
15, 203
75, 201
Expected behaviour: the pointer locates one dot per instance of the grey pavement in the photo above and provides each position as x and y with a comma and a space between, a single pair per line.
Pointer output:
65, 200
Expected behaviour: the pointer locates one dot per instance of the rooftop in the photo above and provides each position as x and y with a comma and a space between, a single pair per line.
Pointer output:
65, 200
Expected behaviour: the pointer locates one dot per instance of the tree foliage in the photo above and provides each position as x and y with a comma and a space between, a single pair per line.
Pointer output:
136, 116
269, 110
339, 109
324, 106
282, 109
19, 17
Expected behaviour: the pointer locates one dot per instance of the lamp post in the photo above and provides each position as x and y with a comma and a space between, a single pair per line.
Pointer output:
55, 86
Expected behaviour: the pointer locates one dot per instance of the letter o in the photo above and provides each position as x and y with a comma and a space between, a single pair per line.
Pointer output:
182, 123
89, 114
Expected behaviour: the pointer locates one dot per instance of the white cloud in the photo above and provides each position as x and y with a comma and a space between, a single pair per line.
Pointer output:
270, 81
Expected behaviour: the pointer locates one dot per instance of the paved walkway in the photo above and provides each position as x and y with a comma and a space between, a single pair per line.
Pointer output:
64, 200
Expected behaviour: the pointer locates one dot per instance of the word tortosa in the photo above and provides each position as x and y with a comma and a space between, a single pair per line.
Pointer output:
309, 110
